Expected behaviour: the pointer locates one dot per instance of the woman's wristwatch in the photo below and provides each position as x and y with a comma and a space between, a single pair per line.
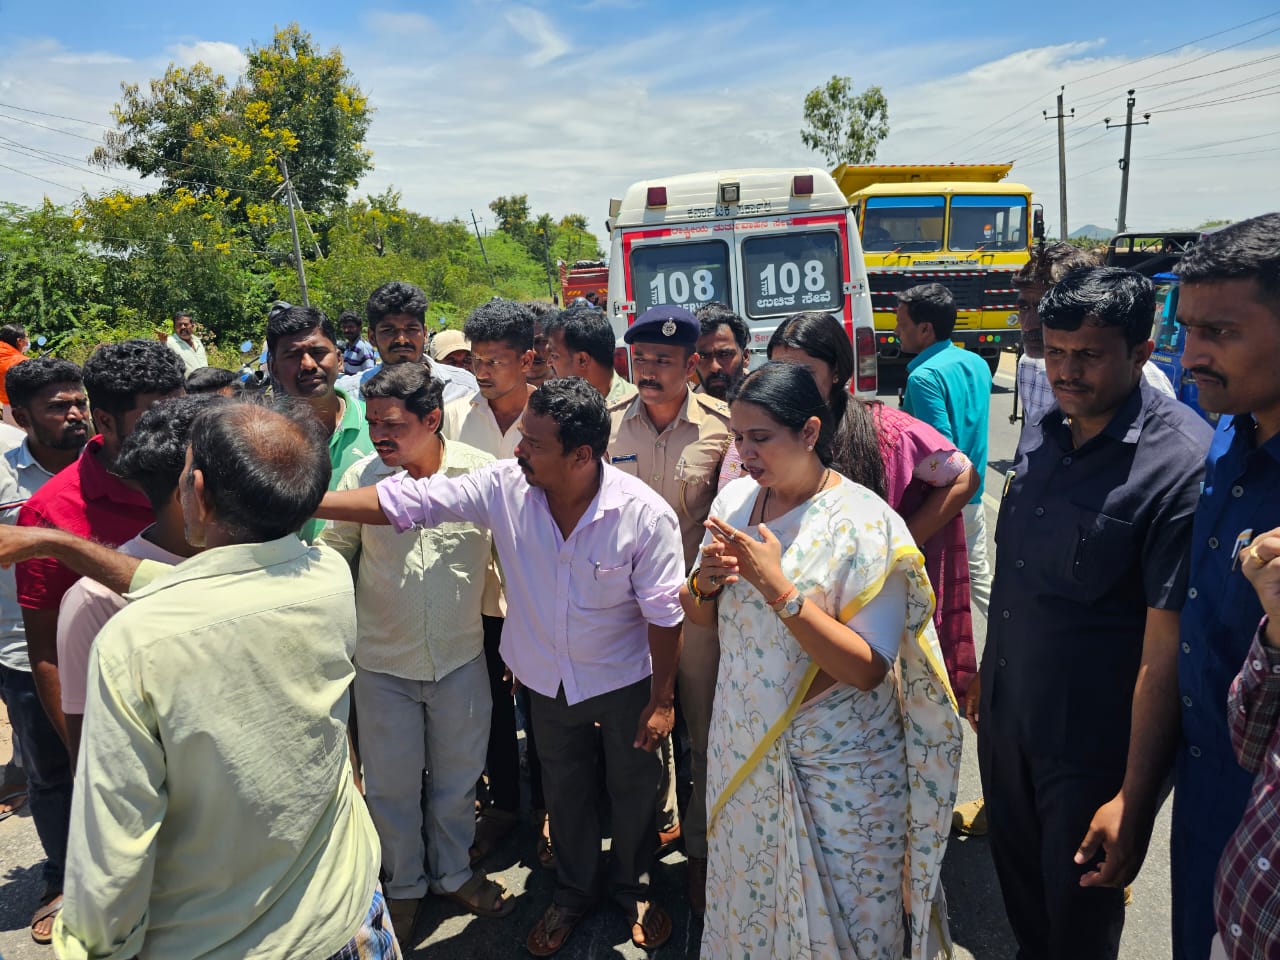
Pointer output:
788, 605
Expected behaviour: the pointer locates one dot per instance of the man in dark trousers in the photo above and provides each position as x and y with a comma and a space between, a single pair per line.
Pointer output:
1078, 705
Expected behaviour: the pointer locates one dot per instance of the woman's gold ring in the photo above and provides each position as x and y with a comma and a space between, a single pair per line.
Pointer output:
733, 536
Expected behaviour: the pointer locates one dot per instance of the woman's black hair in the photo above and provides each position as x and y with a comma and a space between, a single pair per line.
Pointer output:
855, 443
788, 394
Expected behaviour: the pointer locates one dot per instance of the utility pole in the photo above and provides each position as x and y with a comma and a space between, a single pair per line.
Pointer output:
1124, 162
293, 229
546, 253
1061, 117
474, 224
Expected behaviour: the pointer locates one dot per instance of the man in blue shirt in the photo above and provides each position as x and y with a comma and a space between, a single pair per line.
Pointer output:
1229, 303
949, 388
358, 354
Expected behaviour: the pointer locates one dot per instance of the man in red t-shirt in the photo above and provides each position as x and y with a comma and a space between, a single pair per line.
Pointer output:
122, 381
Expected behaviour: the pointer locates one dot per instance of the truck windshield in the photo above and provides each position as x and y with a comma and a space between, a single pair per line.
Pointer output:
988, 223
791, 272
684, 274
903, 224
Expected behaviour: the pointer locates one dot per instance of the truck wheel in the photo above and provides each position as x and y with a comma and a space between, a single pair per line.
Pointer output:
993, 362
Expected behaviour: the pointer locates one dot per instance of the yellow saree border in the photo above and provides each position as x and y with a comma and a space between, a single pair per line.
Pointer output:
913, 557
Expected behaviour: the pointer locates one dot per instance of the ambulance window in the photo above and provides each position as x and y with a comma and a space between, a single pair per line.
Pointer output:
792, 272
684, 274
988, 223
903, 224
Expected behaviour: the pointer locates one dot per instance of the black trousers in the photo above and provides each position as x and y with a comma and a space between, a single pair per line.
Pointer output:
503, 758
567, 743
1038, 811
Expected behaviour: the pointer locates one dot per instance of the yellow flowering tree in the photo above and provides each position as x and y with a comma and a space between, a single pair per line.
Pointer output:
195, 130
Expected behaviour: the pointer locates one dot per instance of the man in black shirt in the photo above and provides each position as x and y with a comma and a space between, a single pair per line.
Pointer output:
1078, 703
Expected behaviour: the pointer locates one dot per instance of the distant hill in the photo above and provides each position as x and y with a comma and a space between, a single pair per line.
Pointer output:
1092, 231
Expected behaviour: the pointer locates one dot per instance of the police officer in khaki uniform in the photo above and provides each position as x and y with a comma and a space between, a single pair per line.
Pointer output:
674, 440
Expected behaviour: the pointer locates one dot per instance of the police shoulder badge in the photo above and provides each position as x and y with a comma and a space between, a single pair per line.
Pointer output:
669, 328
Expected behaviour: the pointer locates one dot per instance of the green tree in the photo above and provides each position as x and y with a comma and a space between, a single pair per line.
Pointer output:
513, 217
844, 126
49, 281
164, 252
192, 129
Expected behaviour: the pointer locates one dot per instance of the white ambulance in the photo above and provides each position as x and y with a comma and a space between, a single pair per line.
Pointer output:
770, 243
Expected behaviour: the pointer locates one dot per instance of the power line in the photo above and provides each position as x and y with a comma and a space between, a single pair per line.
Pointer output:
54, 183
1185, 43
1217, 156
1256, 95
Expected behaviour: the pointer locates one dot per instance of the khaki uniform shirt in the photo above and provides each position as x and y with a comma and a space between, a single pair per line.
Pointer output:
682, 463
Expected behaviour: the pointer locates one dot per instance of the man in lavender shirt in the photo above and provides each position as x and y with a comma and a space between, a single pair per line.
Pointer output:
593, 561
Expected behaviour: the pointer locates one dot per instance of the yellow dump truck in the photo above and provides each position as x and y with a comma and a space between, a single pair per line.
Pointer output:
955, 224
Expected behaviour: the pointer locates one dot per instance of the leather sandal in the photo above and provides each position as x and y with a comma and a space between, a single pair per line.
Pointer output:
652, 928
48, 910
483, 897
552, 930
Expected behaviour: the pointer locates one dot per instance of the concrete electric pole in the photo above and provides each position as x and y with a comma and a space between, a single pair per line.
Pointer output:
1124, 162
1063, 231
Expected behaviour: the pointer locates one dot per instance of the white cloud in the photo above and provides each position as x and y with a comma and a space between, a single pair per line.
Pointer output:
532, 25
224, 58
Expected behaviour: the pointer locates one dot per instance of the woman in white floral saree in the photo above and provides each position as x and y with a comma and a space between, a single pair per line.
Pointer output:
835, 743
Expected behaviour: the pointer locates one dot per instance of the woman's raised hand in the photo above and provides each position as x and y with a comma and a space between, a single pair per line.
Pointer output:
759, 562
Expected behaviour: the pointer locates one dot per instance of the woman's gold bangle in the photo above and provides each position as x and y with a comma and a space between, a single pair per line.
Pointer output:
698, 596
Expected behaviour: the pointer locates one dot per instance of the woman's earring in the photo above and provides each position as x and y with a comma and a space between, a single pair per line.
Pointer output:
809, 448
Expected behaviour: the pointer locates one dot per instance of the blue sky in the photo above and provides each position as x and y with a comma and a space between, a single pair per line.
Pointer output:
571, 102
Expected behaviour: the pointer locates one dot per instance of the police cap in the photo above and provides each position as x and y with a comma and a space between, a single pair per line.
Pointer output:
665, 324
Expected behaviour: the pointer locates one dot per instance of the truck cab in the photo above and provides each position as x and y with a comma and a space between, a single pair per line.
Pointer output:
954, 224
769, 243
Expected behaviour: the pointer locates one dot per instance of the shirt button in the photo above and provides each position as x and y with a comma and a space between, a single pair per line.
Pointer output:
1004, 662
1005, 614
1019, 564
1194, 751
660, 444
1186, 647
657, 477
1237, 491
1235, 929
1213, 543
1066, 461
1186, 701
1264, 864
1193, 593
1256, 664
1039, 511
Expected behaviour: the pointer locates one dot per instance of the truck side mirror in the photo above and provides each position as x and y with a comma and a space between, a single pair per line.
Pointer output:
1037, 224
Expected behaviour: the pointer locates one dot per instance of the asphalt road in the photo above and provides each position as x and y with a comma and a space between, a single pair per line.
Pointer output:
978, 925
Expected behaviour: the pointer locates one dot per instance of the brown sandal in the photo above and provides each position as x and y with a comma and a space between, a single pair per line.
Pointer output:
552, 930
47, 910
652, 928
483, 897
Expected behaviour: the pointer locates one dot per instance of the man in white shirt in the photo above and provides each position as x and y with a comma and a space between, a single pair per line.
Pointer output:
397, 313
186, 344
421, 687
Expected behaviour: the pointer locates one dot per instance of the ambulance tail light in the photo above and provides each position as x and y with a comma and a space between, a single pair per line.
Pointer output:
656, 197
622, 362
864, 348
802, 185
